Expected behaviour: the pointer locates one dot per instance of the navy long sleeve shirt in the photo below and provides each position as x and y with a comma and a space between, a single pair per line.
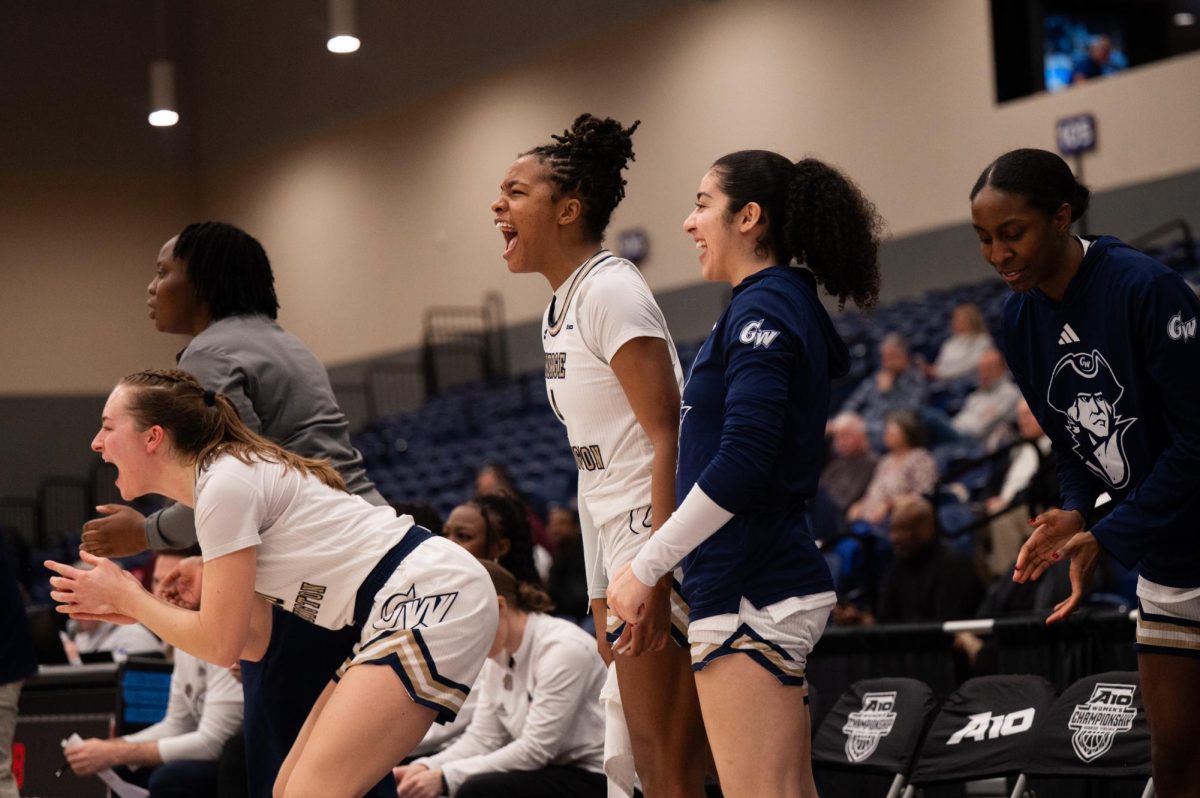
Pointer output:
1112, 372
752, 437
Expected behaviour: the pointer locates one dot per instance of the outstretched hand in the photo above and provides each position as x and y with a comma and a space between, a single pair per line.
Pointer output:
1052, 529
119, 532
99, 594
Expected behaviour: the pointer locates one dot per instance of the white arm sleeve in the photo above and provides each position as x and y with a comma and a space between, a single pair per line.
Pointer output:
593, 561
694, 522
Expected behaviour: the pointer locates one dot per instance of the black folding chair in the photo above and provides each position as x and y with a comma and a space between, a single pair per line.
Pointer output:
1096, 729
875, 728
983, 731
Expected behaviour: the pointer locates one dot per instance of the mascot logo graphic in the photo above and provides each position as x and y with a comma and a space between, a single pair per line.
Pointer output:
1084, 388
865, 728
1109, 712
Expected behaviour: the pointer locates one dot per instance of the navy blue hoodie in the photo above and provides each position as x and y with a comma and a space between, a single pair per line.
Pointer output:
1112, 373
752, 436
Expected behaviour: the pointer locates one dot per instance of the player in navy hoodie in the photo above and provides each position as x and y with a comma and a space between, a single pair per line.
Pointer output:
1102, 341
750, 450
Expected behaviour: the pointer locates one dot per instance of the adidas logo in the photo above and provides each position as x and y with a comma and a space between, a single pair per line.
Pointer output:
1067, 336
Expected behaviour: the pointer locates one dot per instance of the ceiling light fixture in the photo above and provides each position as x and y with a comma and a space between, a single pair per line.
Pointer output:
343, 36
163, 111
1185, 18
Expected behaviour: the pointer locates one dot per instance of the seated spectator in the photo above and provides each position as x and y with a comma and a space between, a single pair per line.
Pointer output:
898, 385
846, 476
204, 710
100, 640
1030, 486
494, 527
538, 729
928, 580
493, 479
960, 353
992, 407
568, 576
907, 468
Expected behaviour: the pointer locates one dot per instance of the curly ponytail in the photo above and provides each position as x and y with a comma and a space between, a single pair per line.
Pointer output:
812, 214
833, 229
587, 160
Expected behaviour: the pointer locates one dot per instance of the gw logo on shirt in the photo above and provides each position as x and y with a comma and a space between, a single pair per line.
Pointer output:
556, 365
1181, 330
989, 726
753, 333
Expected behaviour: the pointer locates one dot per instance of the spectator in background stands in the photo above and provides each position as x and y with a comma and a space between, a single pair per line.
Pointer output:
538, 730
1030, 486
927, 581
907, 468
17, 662
898, 385
846, 477
960, 353
568, 576
204, 710
494, 527
992, 407
493, 479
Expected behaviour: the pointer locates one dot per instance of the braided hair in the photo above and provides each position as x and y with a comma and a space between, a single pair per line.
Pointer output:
228, 270
204, 425
587, 160
504, 519
814, 214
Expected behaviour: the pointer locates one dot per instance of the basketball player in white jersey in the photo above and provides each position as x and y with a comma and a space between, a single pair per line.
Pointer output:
613, 378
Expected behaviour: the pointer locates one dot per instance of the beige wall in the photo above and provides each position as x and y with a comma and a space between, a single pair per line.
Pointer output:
76, 253
373, 222
370, 222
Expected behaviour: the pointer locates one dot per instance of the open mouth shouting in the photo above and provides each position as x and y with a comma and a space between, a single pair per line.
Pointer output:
510, 237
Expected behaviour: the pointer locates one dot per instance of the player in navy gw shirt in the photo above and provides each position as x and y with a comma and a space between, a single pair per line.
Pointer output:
1102, 341
751, 436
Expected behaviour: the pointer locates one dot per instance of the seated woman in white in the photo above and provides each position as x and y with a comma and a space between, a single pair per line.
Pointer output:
538, 729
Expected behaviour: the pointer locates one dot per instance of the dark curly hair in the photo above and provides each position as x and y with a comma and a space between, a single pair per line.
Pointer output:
504, 519
522, 595
587, 160
814, 214
228, 270
1041, 177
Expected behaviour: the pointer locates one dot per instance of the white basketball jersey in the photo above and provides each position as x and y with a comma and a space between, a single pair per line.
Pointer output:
603, 304
316, 545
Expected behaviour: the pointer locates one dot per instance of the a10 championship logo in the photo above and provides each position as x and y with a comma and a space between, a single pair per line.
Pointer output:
865, 728
1109, 712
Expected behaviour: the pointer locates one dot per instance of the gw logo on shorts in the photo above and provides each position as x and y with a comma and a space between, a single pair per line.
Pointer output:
865, 728
407, 610
1181, 330
753, 333
1109, 712
985, 725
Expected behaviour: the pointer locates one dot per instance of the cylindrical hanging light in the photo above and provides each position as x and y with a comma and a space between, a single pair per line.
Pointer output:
343, 33
163, 112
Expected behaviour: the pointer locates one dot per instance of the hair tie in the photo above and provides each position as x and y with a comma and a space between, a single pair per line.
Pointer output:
210, 398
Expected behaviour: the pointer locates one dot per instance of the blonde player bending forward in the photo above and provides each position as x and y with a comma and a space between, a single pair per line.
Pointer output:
278, 528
